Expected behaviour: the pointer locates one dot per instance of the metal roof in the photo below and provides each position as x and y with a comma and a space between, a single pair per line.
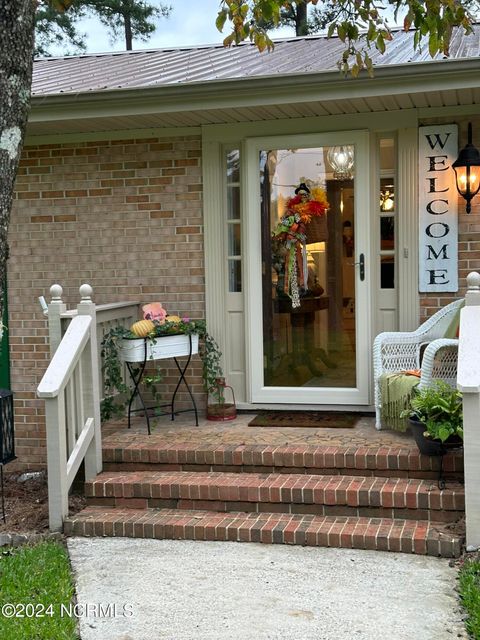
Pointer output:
183, 66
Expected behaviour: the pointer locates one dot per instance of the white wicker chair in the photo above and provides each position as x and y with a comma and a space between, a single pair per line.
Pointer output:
424, 349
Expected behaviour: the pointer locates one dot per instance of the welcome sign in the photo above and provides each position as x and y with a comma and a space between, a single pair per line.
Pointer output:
438, 209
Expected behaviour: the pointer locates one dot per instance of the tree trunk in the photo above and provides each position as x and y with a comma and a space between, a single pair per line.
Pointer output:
16, 57
301, 24
128, 31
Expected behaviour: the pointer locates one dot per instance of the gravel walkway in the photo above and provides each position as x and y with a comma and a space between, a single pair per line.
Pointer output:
182, 590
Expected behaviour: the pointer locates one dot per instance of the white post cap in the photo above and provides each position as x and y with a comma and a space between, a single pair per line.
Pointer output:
473, 281
56, 293
86, 292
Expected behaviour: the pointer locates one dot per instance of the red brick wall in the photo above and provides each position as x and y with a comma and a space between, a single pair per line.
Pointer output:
124, 216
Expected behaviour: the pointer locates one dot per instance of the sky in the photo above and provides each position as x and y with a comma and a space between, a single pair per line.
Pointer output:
191, 22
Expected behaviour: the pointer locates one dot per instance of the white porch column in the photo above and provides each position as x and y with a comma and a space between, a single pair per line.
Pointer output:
408, 301
468, 382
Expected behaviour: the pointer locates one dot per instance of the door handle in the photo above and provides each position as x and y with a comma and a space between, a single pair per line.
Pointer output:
362, 267
361, 264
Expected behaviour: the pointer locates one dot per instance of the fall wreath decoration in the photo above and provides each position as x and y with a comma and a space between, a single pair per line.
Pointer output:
291, 232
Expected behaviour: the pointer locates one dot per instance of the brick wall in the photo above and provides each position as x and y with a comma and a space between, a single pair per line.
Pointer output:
124, 216
468, 227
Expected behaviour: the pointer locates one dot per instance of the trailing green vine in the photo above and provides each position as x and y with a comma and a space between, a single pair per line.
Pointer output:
114, 385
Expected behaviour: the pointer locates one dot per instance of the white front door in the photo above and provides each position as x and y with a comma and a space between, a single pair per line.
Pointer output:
307, 279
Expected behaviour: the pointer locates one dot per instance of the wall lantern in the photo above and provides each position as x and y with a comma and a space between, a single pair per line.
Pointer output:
467, 170
341, 160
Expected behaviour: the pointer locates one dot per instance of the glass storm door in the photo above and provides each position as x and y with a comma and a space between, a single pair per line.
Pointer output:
309, 295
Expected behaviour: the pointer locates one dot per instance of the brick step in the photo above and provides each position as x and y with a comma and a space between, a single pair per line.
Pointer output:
145, 454
382, 534
285, 493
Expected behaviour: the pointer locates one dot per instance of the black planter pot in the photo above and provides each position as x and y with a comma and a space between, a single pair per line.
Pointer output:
430, 447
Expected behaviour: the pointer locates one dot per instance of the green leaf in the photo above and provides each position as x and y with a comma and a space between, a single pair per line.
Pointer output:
380, 43
433, 44
416, 39
444, 433
220, 21
353, 32
261, 42
369, 65
267, 10
229, 40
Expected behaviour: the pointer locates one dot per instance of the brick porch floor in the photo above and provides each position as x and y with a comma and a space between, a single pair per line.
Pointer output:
237, 432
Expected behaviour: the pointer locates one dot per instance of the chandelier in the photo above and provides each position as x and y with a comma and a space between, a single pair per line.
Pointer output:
341, 159
387, 198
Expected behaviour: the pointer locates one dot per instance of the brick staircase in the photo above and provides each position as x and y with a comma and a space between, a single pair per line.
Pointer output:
365, 498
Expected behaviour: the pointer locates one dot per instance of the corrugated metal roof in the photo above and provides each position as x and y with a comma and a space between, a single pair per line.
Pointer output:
167, 67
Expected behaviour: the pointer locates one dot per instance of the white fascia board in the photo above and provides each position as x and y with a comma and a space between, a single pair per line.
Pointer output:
249, 92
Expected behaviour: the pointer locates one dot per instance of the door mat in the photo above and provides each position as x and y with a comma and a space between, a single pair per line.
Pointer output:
314, 419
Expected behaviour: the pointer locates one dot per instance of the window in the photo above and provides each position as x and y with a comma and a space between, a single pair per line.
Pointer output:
387, 211
234, 242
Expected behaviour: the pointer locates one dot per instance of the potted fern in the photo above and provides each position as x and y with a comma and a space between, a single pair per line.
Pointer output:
436, 418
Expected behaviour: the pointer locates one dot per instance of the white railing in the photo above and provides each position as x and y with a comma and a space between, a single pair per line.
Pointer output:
108, 316
72, 407
468, 382
73, 389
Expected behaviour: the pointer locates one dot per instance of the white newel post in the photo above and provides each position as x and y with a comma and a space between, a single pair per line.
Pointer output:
55, 310
468, 383
55, 423
90, 375
56, 461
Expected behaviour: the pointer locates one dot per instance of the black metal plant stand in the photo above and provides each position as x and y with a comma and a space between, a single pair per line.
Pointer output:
443, 450
7, 437
137, 374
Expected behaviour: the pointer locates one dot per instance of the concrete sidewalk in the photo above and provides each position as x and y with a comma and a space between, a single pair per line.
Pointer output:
183, 590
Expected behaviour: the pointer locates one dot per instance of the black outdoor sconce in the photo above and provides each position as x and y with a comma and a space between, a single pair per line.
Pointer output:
467, 170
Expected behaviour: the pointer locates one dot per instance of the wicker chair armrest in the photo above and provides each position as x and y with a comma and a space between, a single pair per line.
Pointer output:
390, 342
397, 336
435, 352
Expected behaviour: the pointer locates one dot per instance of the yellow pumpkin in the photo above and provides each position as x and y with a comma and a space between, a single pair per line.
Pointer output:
173, 319
142, 328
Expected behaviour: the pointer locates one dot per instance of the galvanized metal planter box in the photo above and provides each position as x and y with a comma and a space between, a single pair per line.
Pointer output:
157, 348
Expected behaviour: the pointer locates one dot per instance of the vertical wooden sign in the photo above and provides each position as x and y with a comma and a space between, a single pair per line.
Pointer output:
438, 208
